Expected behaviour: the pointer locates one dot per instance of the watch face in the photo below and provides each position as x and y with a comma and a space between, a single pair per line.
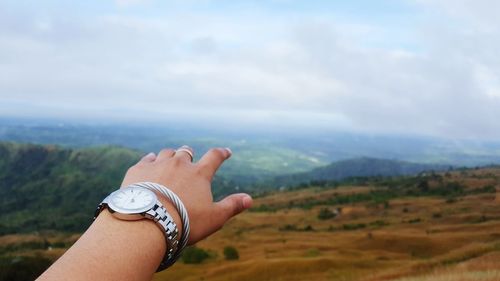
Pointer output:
132, 200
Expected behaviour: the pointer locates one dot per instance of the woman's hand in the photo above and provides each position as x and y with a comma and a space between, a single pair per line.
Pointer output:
113, 249
192, 183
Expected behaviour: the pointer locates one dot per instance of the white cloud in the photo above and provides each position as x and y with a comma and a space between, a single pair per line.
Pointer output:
195, 62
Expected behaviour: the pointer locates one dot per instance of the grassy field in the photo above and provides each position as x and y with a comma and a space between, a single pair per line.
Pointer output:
408, 238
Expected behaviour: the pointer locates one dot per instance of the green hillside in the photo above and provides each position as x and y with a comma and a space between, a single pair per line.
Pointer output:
47, 187
50, 187
432, 227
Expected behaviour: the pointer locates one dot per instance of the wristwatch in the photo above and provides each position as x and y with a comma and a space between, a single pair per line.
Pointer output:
136, 203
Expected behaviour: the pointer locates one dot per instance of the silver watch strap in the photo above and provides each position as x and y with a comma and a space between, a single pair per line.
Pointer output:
182, 212
160, 215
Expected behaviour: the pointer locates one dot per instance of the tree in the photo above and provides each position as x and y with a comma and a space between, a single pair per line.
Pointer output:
423, 185
230, 253
194, 255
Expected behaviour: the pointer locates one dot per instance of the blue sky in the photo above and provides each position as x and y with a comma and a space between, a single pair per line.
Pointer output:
406, 67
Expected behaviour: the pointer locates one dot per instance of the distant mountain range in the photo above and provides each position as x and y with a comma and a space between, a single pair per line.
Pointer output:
258, 151
358, 167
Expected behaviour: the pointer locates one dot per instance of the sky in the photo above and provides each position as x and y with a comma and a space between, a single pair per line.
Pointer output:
417, 67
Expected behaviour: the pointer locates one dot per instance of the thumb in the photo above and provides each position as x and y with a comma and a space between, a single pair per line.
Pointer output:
232, 205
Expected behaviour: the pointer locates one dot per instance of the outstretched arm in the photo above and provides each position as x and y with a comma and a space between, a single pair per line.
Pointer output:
113, 249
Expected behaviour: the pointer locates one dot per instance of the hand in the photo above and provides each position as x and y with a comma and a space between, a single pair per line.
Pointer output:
137, 248
192, 183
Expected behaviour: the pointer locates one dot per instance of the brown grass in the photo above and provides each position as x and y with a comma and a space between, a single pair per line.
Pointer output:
461, 243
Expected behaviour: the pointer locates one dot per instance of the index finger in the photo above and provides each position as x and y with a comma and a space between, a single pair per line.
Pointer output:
212, 160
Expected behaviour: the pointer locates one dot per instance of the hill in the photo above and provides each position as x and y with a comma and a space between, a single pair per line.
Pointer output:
49, 187
358, 167
430, 227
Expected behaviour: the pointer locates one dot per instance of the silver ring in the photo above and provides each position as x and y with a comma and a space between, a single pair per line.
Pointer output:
182, 149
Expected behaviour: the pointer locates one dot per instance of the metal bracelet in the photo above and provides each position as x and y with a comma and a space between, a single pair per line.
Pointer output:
161, 216
182, 212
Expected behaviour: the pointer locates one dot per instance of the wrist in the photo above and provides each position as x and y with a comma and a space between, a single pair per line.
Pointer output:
158, 205
163, 216
145, 230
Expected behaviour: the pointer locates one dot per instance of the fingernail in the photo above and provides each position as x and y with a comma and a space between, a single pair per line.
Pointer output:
230, 151
247, 201
150, 155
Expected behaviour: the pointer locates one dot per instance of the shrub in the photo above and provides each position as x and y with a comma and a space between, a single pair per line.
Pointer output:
451, 200
194, 255
379, 223
292, 227
308, 228
437, 215
230, 253
423, 185
485, 189
386, 205
481, 219
288, 227
353, 226
416, 220
325, 214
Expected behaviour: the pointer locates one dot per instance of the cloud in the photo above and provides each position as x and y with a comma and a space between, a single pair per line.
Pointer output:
438, 79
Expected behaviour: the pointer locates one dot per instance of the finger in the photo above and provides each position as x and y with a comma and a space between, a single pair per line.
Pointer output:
230, 206
212, 160
150, 157
185, 152
165, 154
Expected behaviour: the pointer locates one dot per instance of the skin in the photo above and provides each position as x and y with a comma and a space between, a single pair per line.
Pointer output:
113, 249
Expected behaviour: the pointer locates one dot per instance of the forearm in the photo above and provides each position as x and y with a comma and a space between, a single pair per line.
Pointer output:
112, 249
